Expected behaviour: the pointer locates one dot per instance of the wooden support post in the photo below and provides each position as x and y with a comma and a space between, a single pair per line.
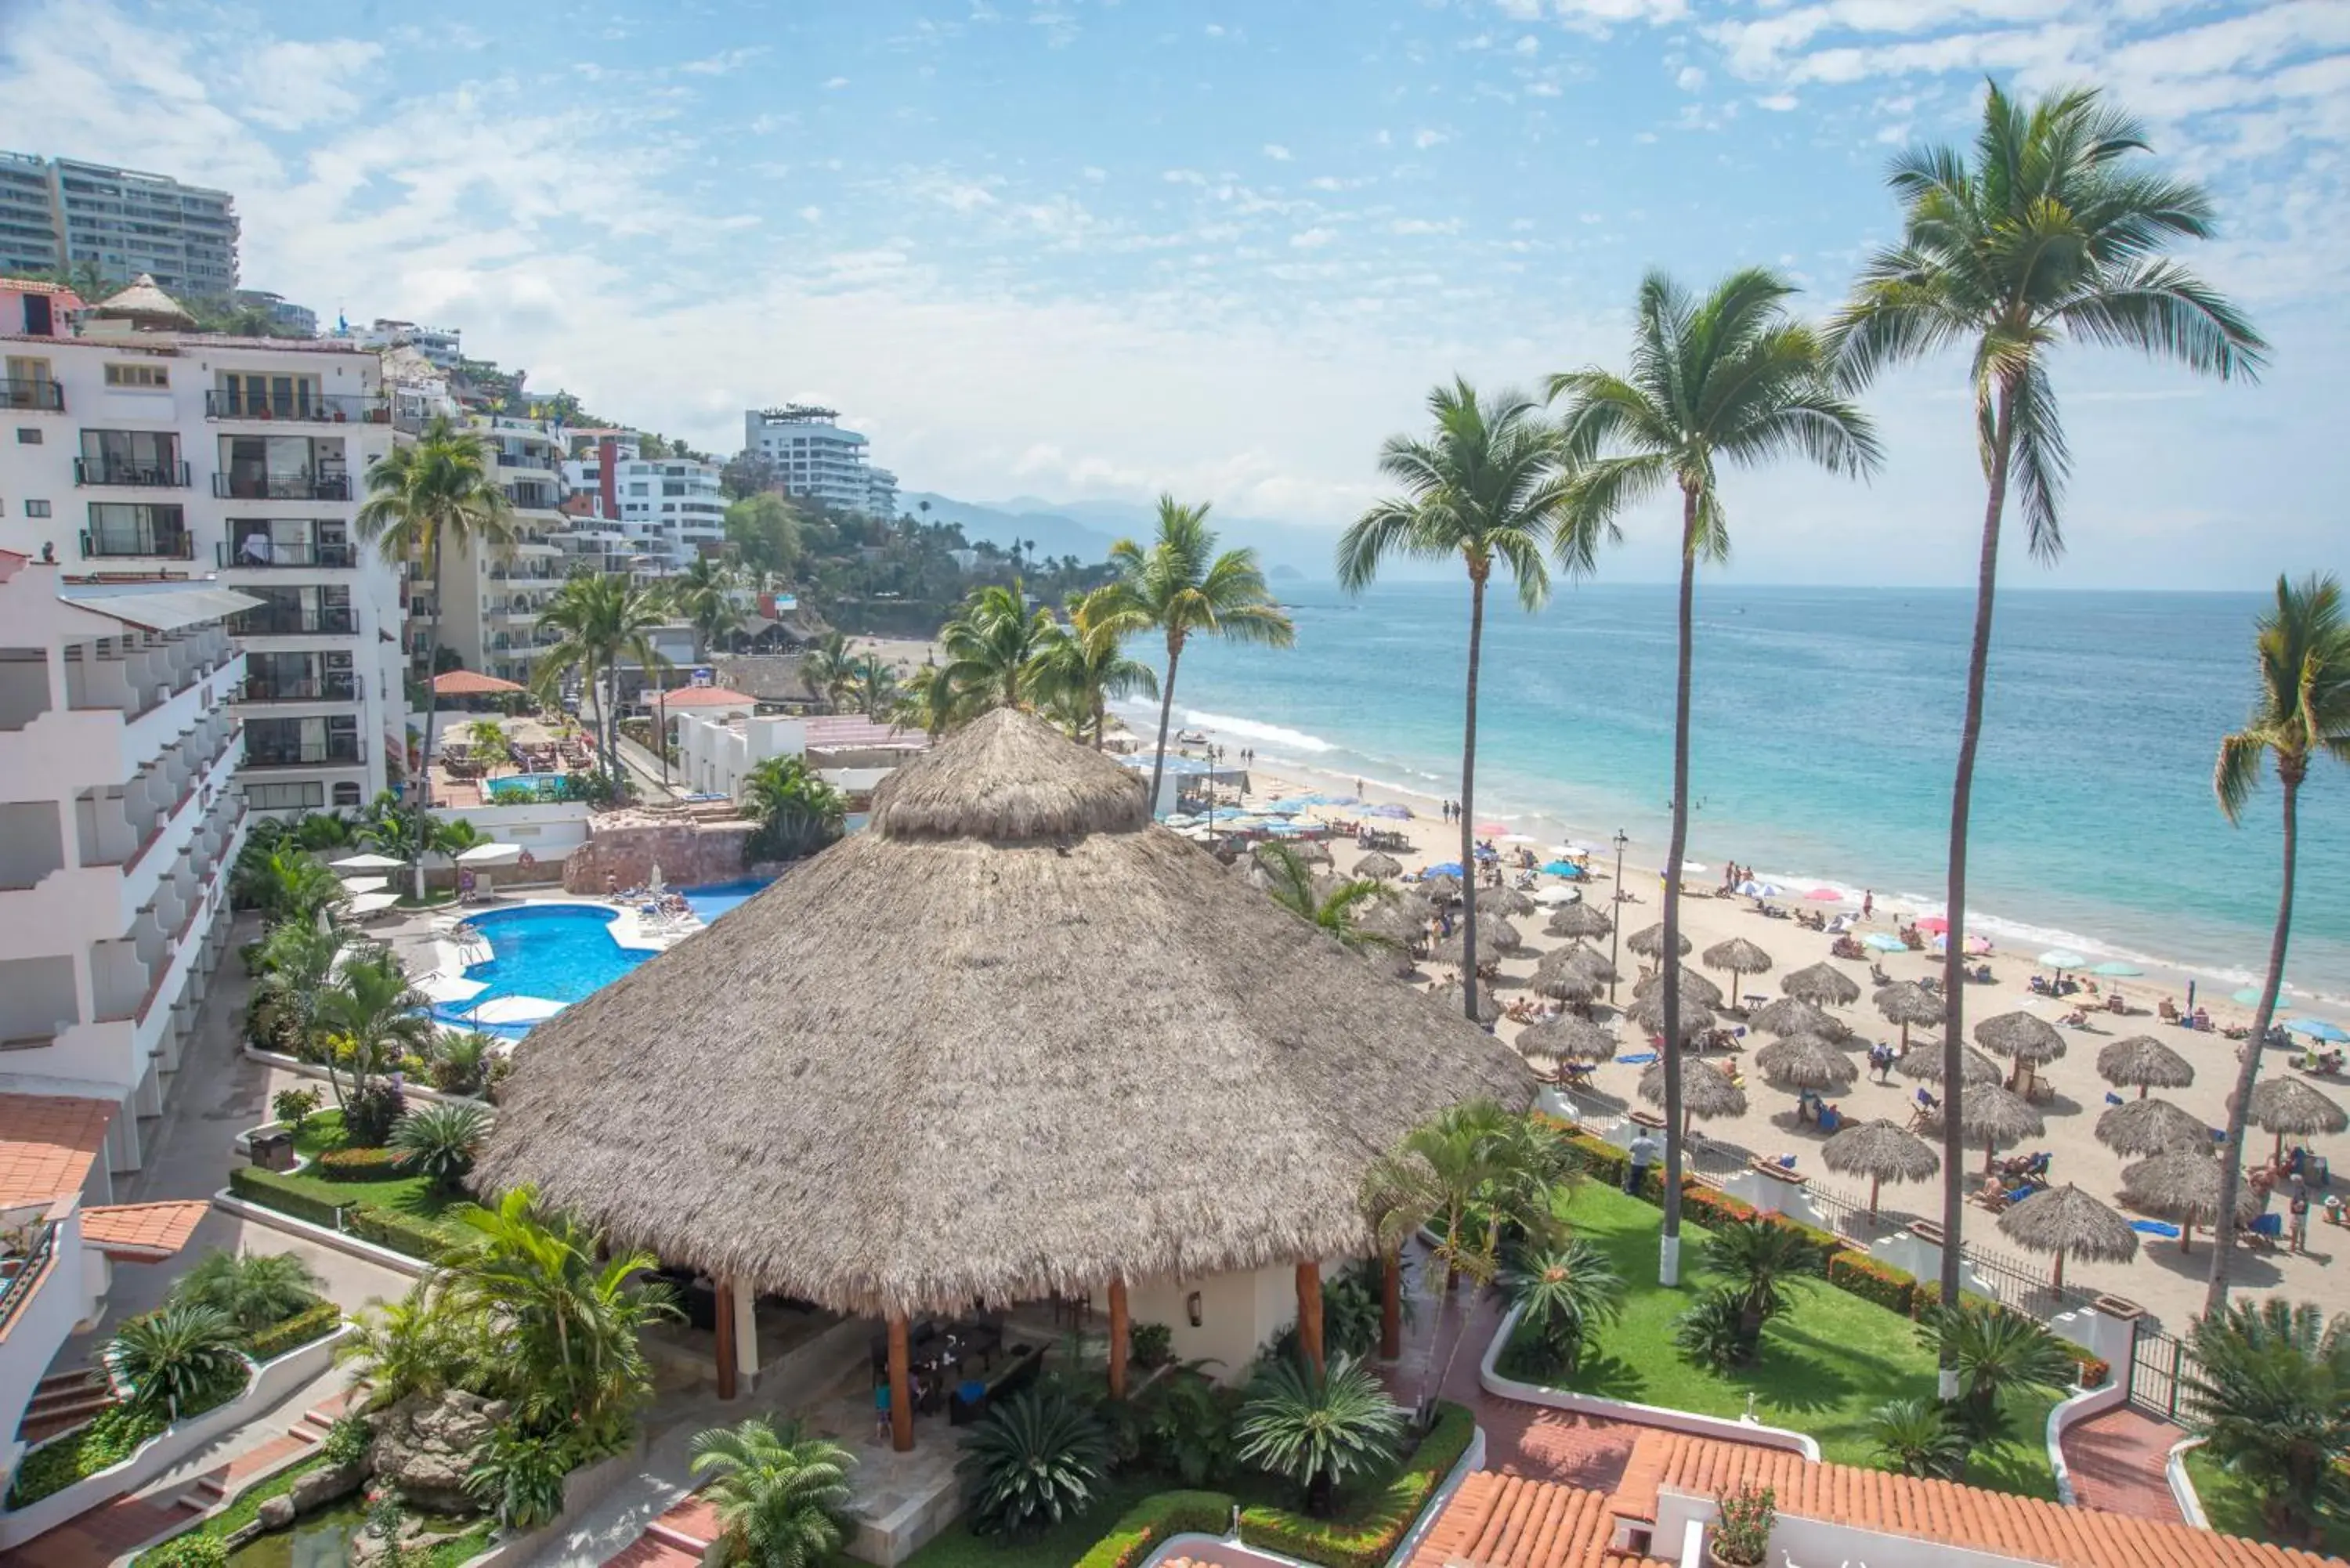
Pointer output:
722, 1320
901, 1387
1309, 1312
1118, 1339
1392, 1306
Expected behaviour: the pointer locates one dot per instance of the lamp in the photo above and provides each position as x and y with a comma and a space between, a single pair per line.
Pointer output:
1191, 1308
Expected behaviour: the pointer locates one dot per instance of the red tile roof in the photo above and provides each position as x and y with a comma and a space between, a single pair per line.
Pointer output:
704, 697
143, 1232
47, 1143
851, 732
1509, 1522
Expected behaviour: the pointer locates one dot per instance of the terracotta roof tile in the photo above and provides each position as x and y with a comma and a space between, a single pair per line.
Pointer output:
47, 1143
143, 1232
1510, 1522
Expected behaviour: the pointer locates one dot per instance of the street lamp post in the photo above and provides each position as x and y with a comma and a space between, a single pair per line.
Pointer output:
1616, 926
1213, 751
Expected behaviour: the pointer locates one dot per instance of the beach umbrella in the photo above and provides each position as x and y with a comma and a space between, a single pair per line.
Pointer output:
1491, 829
1649, 1012
1694, 988
1573, 973
1739, 955
1906, 1002
2283, 1106
1578, 920
1755, 889
1569, 1039
1381, 867
2061, 958
1882, 1151
2069, 1223
1650, 943
492, 854
369, 862
2182, 1185
1544, 1065
2116, 970
1554, 893
1562, 869
1826, 896
1706, 1091
1884, 942
1448, 996
1926, 1064
1399, 917
373, 903
1506, 901
357, 885
1494, 938
449, 988
1791, 1016
2027, 1038
1933, 925
2139, 1127
1389, 812
1806, 1062
2319, 1029
1997, 1119
1822, 985
2145, 1062
1441, 868
1393, 957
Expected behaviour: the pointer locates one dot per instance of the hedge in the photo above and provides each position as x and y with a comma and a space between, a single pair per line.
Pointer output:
291, 1333
271, 1190
397, 1232
1142, 1527
110, 1437
1712, 1209
1369, 1542
1864, 1276
362, 1164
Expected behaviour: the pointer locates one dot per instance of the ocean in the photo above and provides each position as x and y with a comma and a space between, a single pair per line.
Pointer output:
1825, 727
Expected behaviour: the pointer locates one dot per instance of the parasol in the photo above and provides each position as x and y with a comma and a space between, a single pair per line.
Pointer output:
1822, 985
1882, 1151
2143, 1062
2069, 1223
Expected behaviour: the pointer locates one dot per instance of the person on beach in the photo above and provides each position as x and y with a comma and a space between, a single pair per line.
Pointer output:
1868, 903
1643, 1149
2297, 1216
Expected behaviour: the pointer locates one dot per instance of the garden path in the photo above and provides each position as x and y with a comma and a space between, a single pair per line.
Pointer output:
2117, 1462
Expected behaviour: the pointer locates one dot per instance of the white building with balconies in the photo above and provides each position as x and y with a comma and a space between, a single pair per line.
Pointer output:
491, 595
814, 457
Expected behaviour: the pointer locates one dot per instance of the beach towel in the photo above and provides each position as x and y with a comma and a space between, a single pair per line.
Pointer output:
2163, 1229
1638, 1058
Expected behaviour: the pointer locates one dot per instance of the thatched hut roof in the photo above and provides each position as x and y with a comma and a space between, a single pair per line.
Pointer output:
1495, 935
2183, 1185
1649, 1012
1651, 942
2144, 1062
1806, 1062
1906, 1001
1506, 901
1739, 955
1489, 1007
1573, 973
1882, 1151
2151, 1127
1402, 918
1694, 986
1569, 1039
1995, 1116
2022, 1035
144, 303
1382, 867
1821, 985
2291, 1108
1706, 1089
1925, 1061
1794, 1015
2068, 1221
1579, 921
1441, 888
1010, 1040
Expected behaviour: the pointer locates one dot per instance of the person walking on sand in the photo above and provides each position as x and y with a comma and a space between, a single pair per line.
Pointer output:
2296, 1225
1867, 902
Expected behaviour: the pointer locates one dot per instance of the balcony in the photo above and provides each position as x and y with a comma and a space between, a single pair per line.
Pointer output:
336, 751
342, 688
282, 486
299, 408
106, 544
90, 470
293, 620
32, 397
268, 554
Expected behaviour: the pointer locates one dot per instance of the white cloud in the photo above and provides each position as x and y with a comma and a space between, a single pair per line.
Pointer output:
1778, 102
1311, 239
1689, 78
811, 213
1425, 226
1528, 45
723, 63
1214, 30
290, 85
1425, 138
1277, 151
834, 83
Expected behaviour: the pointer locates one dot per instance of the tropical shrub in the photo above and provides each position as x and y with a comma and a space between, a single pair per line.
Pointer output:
112, 1436
1157, 1518
1754, 1259
440, 1141
781, 1497
362, 1162
420, 1344
1712, 1332
459, 1063
346, 1442
1859, 1275
1742, 1533
520, 1476
388, 1228
252, 1291
1150, 1345
271, 1190
179, 1360
1317, 1427
2272, 1401
1995, 1351
370, 1112
293, 1333
1186, 1428
1371, 1540
1560, 1293
1916, 1437
194, 1550
1350, 1310
294, 1107
1703, 1206
797, 813
1032, 1461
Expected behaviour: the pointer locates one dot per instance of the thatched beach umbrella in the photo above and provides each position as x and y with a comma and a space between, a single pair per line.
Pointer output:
1580, 921
1506, 901
1573, 973
1806, 1062
1489, 1008
1997, 1119
2283, 1106
2145, 1063
1011, 1039
1649, 1012
2183, 1187
1384, 867
2028, 1038
2069, 1223
1740, 957
2145, 1126
1822, 985
1906, 1002
1650, 943
1926, 1064
1312, 851
1494, 938
1882, 1151
1792, 1015
1694, 988
1440, 888
1706, 1091
1569, 1039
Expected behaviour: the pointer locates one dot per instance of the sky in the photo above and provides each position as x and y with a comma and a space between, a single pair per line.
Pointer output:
1073, 248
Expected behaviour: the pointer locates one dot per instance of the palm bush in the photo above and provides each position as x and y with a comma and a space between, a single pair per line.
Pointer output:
1713, 1332
179, 1360
2272, 1401
1338, 911
1186, 1427
252, 1291
422, 1344
1560, 1293
460, 1061
797, 813
1032, 1462
1916, 1437
520, 1475
1317, 1427
1755, 1259
781, 1497
1994, 1352
441, 1140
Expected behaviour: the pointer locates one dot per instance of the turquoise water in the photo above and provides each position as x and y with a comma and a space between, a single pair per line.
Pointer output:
564, 952
1825, 727
714, 899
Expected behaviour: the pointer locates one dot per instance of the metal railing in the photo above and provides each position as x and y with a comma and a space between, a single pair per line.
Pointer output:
22, 394
292, 620
104, 544
260, 553
305, 689
300, 407
300, 755
164, 476
282, 486
17, 1288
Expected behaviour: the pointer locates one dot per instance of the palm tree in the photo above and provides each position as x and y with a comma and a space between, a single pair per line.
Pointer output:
601, 620
425, 1342
1290, 881
372, 1017
252, 1290
1318, 1425
1490, 487
1730, 379
1085, 663
992, 644
2053, 234
797, 813
408, 831
823, 668
425, 498
176, 1359
298, 962
1180, 586
932, 702
2269, 1394
2302, 711
781, 1497
1562, 1293
1993, 1350
873, 684
1755, 1259
703, 596
286, 883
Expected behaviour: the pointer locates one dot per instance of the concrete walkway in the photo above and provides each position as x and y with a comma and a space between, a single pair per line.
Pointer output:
2118, 1461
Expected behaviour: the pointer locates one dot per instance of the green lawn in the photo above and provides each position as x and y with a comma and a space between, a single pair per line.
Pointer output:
1825, 1364
410, 1195
2233, 1507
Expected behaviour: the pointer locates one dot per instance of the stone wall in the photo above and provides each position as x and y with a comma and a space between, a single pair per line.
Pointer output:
624, 846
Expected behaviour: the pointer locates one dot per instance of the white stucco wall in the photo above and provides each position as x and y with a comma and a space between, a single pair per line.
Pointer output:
1238, 1312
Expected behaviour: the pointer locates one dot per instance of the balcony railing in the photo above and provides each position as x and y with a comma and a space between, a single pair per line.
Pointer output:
310, 408
291, 620
35, 397
282, 486
106, 544
342, 688
164, 476
31, 1270
328, 753
265, 554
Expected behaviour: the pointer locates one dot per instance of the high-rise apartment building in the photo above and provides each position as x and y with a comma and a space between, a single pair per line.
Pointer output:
656, 514
816, 458
491, 595
60, 212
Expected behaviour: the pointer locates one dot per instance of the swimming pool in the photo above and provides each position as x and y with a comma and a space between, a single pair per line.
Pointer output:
714, 899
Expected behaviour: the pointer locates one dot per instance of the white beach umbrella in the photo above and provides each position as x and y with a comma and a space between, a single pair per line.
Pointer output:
373, 903
1557, 893
518, 1010
355, 886
490, 854
369, 862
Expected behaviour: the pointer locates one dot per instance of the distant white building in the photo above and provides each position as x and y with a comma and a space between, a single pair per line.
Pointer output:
816, 458
880, 493
717, 750
441, 346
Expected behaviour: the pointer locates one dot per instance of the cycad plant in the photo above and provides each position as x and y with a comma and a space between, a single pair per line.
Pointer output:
1916, 1437
1562, 1294
1318, 1425
2052, 232
1995, 1353
1755, 1259
1730, 378
2300, 712
781, 1497
2270, 1389
1336, 910
1032, 1461
253, 1290
441, 1141
179, 1360
797, 813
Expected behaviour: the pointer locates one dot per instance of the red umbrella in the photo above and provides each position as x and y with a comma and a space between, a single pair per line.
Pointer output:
1491, 829
1826, 895
1934, 923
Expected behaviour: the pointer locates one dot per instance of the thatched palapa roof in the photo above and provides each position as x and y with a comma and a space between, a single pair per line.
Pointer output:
1694, 988
1651, 942
2143, 1062
1794, 1015
1882, 1151
1806, 1062
1649, 1012
1822, 985
2288, 1106
1382, 867
1578, 921
2151, 1126
1926, 1061
1011, 1039
2022, 1035
1737, 955
2069, 1223
1905, 1002
1569, 1039
2184, 1186
1706, 1089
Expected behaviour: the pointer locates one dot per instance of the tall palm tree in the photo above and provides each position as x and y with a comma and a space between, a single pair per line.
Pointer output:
2300, 712
703, 596
1338, 911
873, 685
1180, 587
992, 646
781, 1497
372, 1016
297, 963
931, 702
437, 493
601, 620
2271, 1398
1728, 379
1489, 487
823, 668
2054, 232
1085, 663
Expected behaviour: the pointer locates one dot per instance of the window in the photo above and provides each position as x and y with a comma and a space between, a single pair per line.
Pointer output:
633, 489
138, 375
347, 794
121, 528
27, 436
37, 509
285, 797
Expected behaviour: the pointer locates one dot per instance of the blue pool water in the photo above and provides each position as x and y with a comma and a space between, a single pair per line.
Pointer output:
714, 899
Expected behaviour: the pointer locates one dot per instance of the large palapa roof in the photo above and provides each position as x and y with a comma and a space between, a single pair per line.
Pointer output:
1011, 1039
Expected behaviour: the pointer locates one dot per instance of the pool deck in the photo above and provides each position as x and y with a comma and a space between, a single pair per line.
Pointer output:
629, 928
